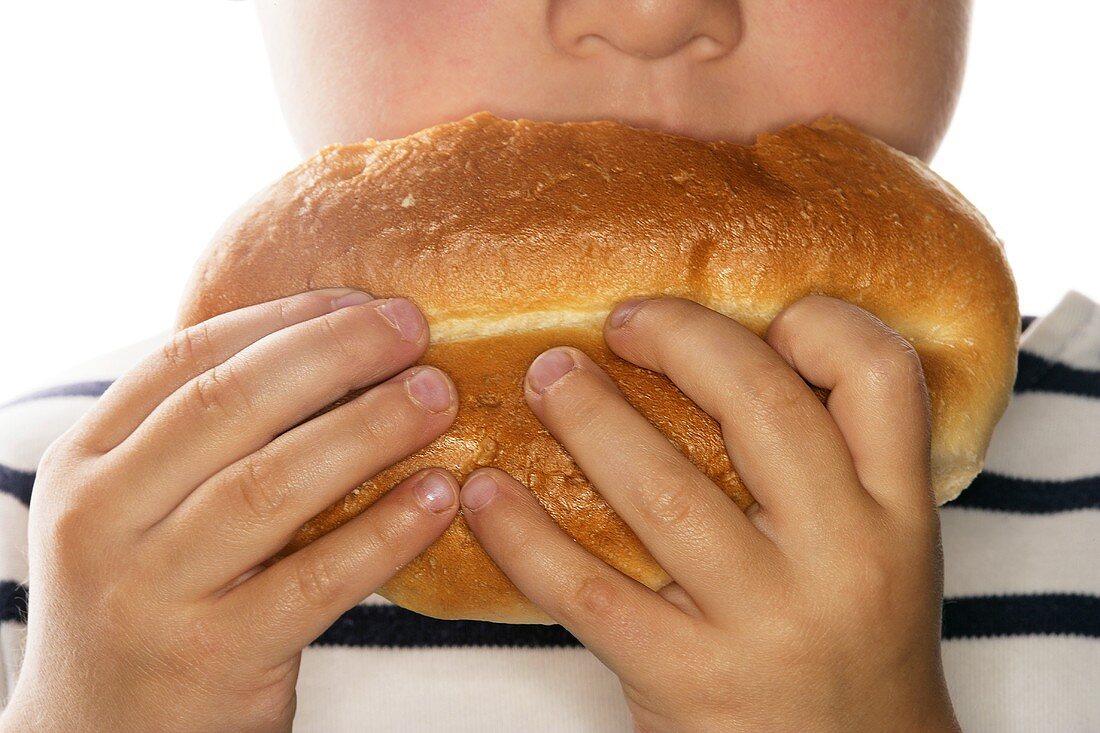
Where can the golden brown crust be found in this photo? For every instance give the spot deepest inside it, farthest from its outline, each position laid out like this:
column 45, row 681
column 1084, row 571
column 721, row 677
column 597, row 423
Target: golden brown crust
column 513, row 236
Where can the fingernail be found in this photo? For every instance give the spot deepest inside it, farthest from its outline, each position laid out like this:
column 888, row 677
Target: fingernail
column 548, row 367
column 478, row 491
column 403, row 316
column 624, row 310
column 354, row 297
column 429, row 389
column 435, row 493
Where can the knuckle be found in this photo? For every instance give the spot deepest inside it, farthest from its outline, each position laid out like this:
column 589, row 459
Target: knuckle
column 386, row 536
column 262, row 494
column 78, row 443
column 597, row 597
column 58, row 454
column 331, row 332
column 219, row 390
column 77, row 539
column 379, row 422
column 71, row 527
column 577, row 409
column 765, row 392
column 790, row 627
column 671, row 504
column 187, row 346
column 897, row 367
column 864, row 575
column 287, row 312
column 315, row 581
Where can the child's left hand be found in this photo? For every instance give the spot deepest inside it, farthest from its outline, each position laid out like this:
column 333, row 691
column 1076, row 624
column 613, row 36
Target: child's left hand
column 819, row 608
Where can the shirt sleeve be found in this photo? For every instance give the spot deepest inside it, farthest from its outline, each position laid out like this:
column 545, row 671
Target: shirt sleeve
column 1021, row 614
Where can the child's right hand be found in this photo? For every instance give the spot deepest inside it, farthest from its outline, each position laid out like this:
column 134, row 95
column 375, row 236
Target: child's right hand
column 152, row 515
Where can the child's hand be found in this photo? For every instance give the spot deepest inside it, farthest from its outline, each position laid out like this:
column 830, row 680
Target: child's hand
column 149, row 606
column 817, row 610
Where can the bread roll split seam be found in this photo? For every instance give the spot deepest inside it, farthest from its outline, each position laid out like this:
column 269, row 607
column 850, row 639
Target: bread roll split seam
column 446, row 330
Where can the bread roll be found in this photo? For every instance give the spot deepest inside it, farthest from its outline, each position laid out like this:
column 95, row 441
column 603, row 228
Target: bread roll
column 516, row 236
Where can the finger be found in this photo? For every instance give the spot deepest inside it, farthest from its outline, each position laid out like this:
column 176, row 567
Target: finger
column 240, row 405
column 621, row 621
column 248, row 512
column 289, row 604
column 780, row 438
column 188, row 353
column 690, row 526
column 878, row 400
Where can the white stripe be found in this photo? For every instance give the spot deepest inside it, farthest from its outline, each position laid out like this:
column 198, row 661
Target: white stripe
column 1069, row 334
column 28, row 428
column 13, row 639
column 459, row 690
column 1024, row 684
column 375, row 600
column 987, row 552
column 13, row 539
column 1044, row 435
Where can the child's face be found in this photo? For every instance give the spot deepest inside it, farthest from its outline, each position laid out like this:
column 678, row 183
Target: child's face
column 347, row 70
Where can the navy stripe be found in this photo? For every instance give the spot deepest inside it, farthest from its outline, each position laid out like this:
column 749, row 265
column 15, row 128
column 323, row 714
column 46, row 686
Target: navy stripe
column 1073, row 614
column 978, row 616
column 1029, row 496
column 17, row 483
column 13, row 602
column 1037, row 374
column 76, row 389
column 391, row 626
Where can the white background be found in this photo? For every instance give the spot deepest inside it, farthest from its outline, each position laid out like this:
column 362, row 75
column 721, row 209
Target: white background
column 130, row 129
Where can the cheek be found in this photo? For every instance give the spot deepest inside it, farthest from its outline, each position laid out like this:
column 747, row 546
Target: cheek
column 425, row 58
column 379, row 68
column 892, row 67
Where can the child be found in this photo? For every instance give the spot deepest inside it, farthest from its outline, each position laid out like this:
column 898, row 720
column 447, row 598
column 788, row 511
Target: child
column 157, row 488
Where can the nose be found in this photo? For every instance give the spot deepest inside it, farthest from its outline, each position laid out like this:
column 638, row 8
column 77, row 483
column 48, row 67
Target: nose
column 646, row 29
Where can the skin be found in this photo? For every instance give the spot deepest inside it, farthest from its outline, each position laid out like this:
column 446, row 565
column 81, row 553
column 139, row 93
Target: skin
column 818, row 609
column 183, row 464
column 346, row 70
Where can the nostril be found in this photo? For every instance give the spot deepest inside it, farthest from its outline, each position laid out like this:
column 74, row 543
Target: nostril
column 646, row 29
column 706, row 48
column 699, row 48
column 589, row 44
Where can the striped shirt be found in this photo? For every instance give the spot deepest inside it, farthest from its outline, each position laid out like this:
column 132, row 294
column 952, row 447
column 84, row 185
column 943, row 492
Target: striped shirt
column 1021, row 615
